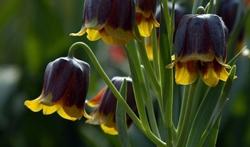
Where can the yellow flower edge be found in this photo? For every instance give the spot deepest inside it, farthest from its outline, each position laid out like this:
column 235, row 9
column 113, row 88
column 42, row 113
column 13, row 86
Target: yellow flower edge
column 70, row 113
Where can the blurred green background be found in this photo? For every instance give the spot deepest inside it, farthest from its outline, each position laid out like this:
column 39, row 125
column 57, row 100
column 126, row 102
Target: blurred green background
column 35, row 32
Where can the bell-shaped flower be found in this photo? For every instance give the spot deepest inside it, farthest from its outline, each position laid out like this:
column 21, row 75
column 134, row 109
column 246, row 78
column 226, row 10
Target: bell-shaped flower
column 200, row 44
column 111, row 20
column 65, row 87
column 104, row 104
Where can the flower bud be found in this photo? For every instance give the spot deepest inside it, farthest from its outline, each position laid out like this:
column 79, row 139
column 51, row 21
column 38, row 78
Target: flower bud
column 105, row 106
column 200, row 44
column 65, row 87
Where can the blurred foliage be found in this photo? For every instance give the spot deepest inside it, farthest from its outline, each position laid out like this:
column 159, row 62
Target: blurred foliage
column 35, row 32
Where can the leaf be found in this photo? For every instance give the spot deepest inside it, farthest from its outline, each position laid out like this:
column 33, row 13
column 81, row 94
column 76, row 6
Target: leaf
column 209, row 111
column 212, row 137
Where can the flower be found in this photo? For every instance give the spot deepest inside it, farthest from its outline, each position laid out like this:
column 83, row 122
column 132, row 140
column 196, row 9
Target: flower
column 200, row 44
column 145, row 16
column 111, row 20
column 105, row 106
column 65, row 87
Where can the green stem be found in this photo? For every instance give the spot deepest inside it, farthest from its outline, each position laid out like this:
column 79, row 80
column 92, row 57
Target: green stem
column 137, row 78
column 98, row 67
column 211, row 7
column 155, row 48
column 196, row 4
column 168, row 20
column 120, row 99
column 233, row 60
column 158, row 72
column 184, row 121
column 167, row 81
column 148, row 67
column 142, row 90
column 169, row 108
column 150, row 108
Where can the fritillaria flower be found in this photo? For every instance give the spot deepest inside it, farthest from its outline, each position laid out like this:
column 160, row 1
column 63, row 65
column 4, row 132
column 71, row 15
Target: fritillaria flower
column 145, row 16
column 111, row 20
column 65, row 87
column 200, row 44
column 105, row 103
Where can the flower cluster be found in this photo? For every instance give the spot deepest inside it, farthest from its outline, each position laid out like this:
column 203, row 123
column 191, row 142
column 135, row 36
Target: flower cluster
column 200, row 50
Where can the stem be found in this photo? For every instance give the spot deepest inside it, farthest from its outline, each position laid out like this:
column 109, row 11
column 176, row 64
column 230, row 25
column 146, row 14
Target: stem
column 105, row 78
column 169, row 107
column 157, row 65
column 211, row 7
column 167, row 17
column 155, row 48
column 233, row 60
column 150, row 108
column 148, row 67
column 166, row 46
column 120, row 99
column 184, row 123
column 137, row 78
column 196, row 4
column 142, row 90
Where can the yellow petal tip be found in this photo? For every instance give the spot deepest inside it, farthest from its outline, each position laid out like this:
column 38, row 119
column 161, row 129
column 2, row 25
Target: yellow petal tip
column 109, row 130
column 80, row 33
column 33, row 105
column 185, row 73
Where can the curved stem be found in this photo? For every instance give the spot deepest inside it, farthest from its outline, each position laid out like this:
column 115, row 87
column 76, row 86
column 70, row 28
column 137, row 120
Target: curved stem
column 121, row 100
column 105, row 78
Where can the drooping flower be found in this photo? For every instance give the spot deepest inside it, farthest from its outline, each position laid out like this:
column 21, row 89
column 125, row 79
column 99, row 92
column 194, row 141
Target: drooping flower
column 200, row 44
column 65, row 87
column 104, row 104
column 111, row 20
column 145, row 16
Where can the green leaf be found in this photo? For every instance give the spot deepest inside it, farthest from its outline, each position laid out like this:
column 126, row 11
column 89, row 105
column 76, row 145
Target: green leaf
column 212, row 137
column 209, row 111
